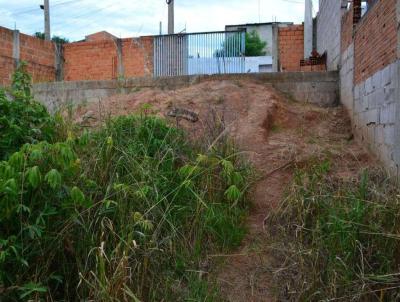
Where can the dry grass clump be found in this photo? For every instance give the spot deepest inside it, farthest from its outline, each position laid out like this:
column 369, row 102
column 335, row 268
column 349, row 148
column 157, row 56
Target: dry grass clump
column 336, row 240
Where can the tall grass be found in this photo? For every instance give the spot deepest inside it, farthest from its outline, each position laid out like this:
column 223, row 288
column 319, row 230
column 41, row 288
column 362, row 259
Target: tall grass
column 337, row 240
column 126, row 213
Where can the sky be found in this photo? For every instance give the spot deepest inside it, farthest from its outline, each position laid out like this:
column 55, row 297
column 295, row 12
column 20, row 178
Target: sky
column 74, row 19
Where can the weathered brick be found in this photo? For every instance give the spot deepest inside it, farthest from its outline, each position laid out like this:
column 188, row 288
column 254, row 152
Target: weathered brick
column 291, row 48
column 375, row 40
column 37, row 53
column 137, row 59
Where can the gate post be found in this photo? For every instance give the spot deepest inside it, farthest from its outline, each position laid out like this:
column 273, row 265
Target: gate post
column 275, row 47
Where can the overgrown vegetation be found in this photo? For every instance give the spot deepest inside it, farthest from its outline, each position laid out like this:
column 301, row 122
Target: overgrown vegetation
column 22, row 120
column 337, row 240
column 125, row 213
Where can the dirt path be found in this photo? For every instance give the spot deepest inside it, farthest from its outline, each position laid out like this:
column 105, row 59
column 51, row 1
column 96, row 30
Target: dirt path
column 276, row 134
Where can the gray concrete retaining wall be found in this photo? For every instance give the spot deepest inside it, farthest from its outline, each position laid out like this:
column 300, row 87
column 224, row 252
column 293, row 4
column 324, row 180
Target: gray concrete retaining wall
column 375, row 115
column 314, row 87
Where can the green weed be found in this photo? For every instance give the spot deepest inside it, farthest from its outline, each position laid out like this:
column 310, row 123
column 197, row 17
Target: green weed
column 22, row 120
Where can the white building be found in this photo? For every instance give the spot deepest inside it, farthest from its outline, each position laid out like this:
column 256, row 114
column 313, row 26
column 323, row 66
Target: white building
column 264, row 30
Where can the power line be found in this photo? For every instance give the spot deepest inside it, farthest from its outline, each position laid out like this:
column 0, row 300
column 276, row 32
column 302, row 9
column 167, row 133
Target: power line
column 91, row 22
column 36, row 9
column 67, row 22
column 85, row 14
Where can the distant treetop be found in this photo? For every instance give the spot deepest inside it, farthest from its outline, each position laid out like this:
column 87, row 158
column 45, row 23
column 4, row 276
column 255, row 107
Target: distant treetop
column 254, row 45
column 55, row 39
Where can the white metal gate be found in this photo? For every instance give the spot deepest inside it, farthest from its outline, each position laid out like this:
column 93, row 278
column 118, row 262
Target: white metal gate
column 199, row 53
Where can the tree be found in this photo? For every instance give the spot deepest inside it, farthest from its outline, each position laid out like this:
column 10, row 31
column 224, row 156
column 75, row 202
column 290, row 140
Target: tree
column 55, row 39
column 59, row 40
column 231, row 46
column 254, row 45
column 39, row 35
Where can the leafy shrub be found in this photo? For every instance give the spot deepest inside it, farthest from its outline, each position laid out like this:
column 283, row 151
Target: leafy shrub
column 124, row 213
column 337, row 240
column 22, row 120
column 37, row 188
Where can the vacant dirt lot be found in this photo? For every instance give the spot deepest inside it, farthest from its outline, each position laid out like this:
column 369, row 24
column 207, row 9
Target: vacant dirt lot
column 275, row 133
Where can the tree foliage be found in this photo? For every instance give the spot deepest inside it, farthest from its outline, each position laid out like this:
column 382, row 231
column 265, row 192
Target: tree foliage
column 56, row 39
column 254, row 46
column 231, row 47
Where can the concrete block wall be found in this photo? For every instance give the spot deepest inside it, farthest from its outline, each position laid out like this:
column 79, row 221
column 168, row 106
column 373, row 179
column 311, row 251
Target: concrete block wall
column 291, row 47
column 328, row 31
column 370, row 81
column 374, row 113
column 397, row 126
column 347, row 78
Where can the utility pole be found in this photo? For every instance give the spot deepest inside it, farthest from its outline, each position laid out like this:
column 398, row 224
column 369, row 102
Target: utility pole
column 171, row 29
column 46, row 9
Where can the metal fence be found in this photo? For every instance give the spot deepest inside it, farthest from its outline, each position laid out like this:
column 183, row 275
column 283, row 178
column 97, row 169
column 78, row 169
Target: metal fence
column 199, row 53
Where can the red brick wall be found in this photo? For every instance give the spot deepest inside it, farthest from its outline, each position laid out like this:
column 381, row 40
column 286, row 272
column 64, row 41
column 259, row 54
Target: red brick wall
column 291, row 47
column 347, row 29
column 37, row 53
column 98, row 60
column 137, row 56
column 90, row 61
column 6, row 61
column 40, row 56
column 375, row 41
column 6, row 70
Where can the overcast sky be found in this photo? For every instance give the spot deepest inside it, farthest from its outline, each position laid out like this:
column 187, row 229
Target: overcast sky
column 74, row 19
